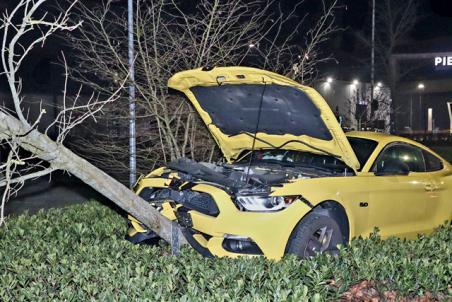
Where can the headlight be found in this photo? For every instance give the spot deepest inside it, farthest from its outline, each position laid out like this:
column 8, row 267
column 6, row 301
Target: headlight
column 255, row 203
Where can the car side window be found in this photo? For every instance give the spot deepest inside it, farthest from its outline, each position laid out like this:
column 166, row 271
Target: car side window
column 409, row 155
column 432, row 163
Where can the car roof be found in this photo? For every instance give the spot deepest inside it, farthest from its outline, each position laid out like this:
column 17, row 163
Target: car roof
column 379, row 137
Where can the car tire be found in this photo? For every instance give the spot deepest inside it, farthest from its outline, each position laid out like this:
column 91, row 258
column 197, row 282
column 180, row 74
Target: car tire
column 315, row 233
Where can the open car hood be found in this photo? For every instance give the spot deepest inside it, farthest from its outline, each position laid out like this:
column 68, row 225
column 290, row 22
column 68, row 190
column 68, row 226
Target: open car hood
column 234, row 102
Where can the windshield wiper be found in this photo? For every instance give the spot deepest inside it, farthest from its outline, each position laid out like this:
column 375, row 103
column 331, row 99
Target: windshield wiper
column 275, row 162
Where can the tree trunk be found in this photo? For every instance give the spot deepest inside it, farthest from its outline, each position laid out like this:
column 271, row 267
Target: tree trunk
column 62, row 158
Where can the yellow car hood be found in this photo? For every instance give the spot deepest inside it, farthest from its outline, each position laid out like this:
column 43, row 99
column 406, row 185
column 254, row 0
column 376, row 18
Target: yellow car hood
column 234, row 102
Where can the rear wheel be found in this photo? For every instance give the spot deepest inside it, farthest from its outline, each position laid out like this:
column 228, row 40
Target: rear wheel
column 315, row 233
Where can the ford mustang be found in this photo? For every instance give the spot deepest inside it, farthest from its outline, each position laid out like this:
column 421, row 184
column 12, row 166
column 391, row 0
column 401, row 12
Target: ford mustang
column 291, row 181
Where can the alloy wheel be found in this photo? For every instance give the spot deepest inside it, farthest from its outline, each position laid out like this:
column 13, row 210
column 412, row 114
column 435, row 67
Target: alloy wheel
column 319, row 241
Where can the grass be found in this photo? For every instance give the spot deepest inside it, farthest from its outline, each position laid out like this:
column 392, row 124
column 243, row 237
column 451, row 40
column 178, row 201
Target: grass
column 79, row 254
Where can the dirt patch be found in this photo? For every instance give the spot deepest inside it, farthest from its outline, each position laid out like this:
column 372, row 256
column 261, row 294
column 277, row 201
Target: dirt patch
column 369, row 291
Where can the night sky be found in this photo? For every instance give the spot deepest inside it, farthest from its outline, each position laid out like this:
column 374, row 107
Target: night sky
column 353, row 16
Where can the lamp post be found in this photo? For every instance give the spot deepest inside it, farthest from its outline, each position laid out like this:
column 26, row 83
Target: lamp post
column 372, row 55
column 132, row 114
column 420, row 88
column 411, row 113
column 449, row 109
column 355, row 89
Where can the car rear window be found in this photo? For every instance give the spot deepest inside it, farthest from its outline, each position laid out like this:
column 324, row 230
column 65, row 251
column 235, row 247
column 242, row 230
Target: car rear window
column 363, row 148
column 432, row 163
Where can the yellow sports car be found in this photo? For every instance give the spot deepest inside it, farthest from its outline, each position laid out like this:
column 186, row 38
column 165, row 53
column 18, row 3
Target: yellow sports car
column 291, row 180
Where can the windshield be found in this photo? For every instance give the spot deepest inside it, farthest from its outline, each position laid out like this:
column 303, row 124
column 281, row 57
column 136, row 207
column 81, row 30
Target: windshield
column 295, row 158
column 363, row 148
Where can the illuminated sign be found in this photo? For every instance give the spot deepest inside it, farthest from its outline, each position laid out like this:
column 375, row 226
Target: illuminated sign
column 443, row 62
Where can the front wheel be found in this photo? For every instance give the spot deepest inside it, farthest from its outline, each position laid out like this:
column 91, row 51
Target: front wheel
column 315, row 233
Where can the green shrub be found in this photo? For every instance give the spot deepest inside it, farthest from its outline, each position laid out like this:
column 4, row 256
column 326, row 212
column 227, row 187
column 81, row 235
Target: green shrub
column 78, row 254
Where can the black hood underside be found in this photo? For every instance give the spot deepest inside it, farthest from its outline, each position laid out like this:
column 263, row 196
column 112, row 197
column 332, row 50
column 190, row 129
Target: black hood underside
column 235, row 109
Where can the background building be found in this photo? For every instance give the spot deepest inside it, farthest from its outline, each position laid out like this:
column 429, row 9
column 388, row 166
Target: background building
column 423, row 98
column 352, row 105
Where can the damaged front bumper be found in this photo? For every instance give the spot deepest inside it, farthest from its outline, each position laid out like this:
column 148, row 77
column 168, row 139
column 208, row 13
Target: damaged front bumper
column 222, row 229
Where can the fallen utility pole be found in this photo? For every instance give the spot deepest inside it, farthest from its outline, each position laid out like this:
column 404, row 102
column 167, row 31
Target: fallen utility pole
column 18, row 130
column 60, row 157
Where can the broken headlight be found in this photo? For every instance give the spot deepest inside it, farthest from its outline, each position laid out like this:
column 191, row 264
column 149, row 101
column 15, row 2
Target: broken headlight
column 257, row 203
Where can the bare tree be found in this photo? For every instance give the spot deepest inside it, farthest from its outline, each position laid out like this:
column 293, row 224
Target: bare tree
column 364, row 112
column 394, row 20
column 18, row 167
column 169, row 38
column 304, row 61
column 31, row 152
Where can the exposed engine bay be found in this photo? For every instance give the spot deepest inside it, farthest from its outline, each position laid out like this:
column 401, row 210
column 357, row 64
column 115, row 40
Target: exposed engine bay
column 248, row 182
column 243, row 176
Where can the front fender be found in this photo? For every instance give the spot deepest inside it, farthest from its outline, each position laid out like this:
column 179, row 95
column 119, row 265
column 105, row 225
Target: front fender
column 339, row 189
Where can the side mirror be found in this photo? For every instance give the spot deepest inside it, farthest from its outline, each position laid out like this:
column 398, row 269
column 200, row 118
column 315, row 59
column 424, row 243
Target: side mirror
column 392, row 167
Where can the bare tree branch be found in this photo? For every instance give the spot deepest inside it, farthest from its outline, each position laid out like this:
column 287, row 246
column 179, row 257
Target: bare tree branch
column 170, row 39
column 32, row 153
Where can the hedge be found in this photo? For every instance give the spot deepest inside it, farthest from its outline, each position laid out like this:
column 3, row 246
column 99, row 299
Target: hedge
column 79, row 254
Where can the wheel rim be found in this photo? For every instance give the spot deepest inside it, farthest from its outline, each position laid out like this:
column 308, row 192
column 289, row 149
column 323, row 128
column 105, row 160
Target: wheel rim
column 319, row 241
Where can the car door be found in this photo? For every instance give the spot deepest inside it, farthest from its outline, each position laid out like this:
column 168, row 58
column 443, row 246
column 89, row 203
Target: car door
column 440, row 203
column 399, row 203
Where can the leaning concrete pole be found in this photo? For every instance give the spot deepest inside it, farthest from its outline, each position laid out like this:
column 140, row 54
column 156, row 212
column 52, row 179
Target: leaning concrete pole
column 60, row 157
column 15, row 127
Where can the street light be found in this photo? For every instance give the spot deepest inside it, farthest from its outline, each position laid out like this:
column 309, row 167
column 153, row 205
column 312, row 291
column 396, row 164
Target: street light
column 327, row 85
column 420, row 86
column 378, row 87
column 355, row 82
